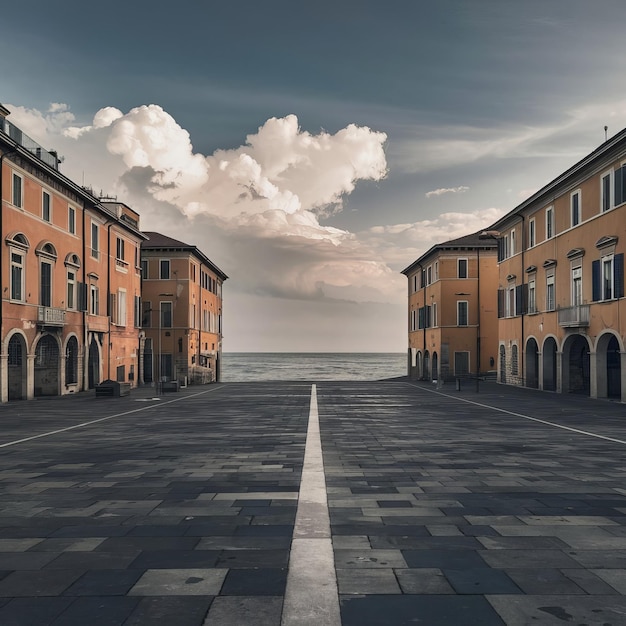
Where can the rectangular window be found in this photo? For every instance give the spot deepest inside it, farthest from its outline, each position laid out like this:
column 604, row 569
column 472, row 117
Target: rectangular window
column 164, row 273
column 532, row 296
column 462, row 268
column 429, row 274
column 137, row 312
column 95, row 242
column 512, row 251
column 550, row 295
column 71, row 290
column 94, row 300
column 45, row 295
column 46, row 206
column 531, row 233
column 619, row 178
column 17, row 276
column 166, row 314
column 71, row 220
column 121, row 307
column 119, row 250
column 436, row 271
column 509, row 303
column 607, row 278
column 506, row 249
column 606, row 202
column 575, row 207
column 461, row 313
column 413, row 322
column 146, row 313
column 549, row 222
column 144, row 268
column 434, row 314
column 18, row 188
column 577, row 286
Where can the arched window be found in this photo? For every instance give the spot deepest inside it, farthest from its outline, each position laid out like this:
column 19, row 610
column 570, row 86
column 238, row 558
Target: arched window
column 71, row 361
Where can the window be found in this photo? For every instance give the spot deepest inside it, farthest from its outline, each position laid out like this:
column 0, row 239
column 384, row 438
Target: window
column 71, row 290
column 18, row 188
column 436, row 271
column 413, row 319
column 121, row 307
column 144, row 268
column 434, row 314
column 462, row 268
column 549, row 222
column 461, row 313
column 146, row 313
column 94, row 300
column 607, row 276
column 46, row 206
column 95, row 243
column 532, row 296
column 512, row 249
column 550, row 296
column 414, row 283
column 606, row 201
column 619, row 195
column 71, row 220
column 429, row 274
column 17, row 276
column 575, row 208
column 137, row 312
column 531, row 233
column 192, row 316
column 164, row 273
column 166, row 314
column 119, row 251
column 506, row 249
column 577, row 286
column 45, row 284
column 509, row 303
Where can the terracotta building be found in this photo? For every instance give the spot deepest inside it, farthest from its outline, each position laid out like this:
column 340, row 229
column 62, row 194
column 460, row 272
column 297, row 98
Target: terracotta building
column 70, row 278
column 452, row 310
column 561, row 280
column 182, row 312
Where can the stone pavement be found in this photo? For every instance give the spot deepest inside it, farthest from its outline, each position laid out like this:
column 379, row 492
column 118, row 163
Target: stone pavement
column 506, row 506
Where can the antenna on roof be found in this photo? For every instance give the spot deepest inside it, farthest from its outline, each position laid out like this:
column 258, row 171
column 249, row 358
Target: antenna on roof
column 605, row 129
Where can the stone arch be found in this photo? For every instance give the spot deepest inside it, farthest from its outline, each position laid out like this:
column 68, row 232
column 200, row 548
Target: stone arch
column 576, row 370
column 72, row 348
column 609, row 350
column 502, row 363
column 47, row 361
column 16, row 348
column 549, row 363
column 435, row 367
column 531, row 361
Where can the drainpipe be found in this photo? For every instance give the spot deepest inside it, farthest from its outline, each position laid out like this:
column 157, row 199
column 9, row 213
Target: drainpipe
column 87, row 296
column 523, row 309
column 109, row 297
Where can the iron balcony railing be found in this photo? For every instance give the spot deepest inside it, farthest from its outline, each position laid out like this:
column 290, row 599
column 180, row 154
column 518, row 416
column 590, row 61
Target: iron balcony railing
column 576, row 316
column 50, row 158
column 50, row 316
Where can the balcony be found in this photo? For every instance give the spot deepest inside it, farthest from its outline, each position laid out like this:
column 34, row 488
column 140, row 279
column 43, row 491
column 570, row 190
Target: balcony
column 50, row 158
column 576, row 316
column 48, row 316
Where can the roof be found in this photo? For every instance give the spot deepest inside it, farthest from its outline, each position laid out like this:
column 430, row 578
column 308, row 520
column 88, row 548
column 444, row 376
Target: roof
column 158, row 241
column 606, row 151
column 472, row 242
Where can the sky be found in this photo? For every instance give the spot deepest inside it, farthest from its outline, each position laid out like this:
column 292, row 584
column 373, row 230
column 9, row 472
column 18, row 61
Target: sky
column 313, row 150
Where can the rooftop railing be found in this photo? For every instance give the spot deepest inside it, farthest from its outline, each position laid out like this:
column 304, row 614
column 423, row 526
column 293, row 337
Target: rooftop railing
column 19, row 136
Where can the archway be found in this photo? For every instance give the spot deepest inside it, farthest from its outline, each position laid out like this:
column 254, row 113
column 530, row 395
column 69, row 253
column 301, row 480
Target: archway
column 17, row 368
column 93, row 364
column 609, row 367
column 418, row 371
column 147, row 361
column 71, row 361
column 47, row 367
column 435, row 368
column 502, row 364
column 532, row 363
column 549, row 364
column 576, row 364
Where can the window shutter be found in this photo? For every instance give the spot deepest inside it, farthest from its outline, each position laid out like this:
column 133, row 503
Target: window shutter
column 519, row 300
column 428, row 317
column 595, row 281
column 500, row 249
column 420, row 315
column 500, row 303
column 618, row 275
column 82, row 297
column 619, row 185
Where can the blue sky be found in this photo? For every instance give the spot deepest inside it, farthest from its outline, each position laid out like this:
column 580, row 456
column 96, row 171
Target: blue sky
column 385, row 128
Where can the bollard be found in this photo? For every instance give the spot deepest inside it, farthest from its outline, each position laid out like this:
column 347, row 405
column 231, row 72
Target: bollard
column 458, row 384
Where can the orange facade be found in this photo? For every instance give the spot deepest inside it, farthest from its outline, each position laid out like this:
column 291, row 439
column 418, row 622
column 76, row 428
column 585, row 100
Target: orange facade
column 562, row 317
column 70, row 278
column 182, row 313
column 452, row 310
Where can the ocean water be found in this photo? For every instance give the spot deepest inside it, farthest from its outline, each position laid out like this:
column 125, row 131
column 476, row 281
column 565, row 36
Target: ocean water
column 311, row 366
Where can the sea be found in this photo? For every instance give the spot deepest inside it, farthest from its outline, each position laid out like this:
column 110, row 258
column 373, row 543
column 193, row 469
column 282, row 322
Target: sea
column 311, row 366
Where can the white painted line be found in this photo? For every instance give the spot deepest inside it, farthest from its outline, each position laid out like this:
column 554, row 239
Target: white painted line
column 311, row 596
column 104, row 419
column 526, row 417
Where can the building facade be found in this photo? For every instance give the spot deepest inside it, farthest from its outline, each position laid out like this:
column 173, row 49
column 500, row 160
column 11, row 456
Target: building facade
column 182, row 312
column 562, row 316
column 70, row 278
column 452, row 310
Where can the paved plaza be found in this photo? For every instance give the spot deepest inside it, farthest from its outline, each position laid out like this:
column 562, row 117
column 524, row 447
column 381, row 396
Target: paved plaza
column 293, row 503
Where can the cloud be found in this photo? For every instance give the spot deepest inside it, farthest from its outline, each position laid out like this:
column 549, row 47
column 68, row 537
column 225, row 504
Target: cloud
column 442, row 190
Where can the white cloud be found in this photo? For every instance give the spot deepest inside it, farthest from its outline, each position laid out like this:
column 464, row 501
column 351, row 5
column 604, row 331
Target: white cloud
column 442, row 190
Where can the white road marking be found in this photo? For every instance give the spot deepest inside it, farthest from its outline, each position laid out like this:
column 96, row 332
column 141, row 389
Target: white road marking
column 103, row 419
column 527, row 417
column 311, row 596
